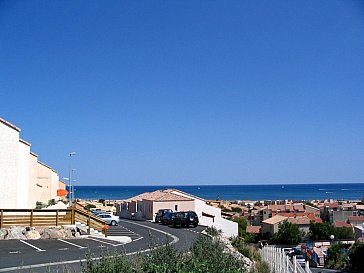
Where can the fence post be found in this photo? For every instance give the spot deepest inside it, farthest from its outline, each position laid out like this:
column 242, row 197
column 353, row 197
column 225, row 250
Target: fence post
column 88, row 224
column 1, row 218
column 72, row 216
column 294, row 264
column 56, row 217
column 31, row 218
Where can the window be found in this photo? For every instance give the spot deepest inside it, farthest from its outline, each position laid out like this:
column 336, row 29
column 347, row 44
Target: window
column 176, row 207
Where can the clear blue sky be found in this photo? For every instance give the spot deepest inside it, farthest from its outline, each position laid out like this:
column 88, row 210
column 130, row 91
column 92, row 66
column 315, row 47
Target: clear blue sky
column 188, row 92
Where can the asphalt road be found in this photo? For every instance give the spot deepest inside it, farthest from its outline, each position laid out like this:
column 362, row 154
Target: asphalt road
column 53, row 255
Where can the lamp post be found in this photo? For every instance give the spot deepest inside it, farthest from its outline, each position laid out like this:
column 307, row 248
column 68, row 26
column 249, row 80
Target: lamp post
column 73, row 184
column 332, row 237
column 70, row 178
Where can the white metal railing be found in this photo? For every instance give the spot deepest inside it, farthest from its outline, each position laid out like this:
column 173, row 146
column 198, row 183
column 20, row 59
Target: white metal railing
column 279, row 262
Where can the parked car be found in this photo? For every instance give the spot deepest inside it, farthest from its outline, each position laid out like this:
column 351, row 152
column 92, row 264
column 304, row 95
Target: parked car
column 102, row 212
column 301, row 260
column 288, row 251
column 160, row 214
column 109, row 219
column 185, row 219
column 167, row 218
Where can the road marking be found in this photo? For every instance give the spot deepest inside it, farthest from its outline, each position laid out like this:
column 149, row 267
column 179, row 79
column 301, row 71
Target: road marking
column 14, row 252
column 66, row 248
column 37, row 248
column 72, row 244
column 175, row 240
column 103, row 242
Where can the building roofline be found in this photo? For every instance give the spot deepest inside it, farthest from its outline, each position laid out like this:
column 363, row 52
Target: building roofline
column 45, row 165
column 33, row 154
column 24, row 142
column 62, row 182
column 186, row 193
column 12, row 126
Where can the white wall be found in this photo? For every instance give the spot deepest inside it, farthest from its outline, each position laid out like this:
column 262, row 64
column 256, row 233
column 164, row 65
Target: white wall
column 23, row 175
column 228, row 228
column 9, row 145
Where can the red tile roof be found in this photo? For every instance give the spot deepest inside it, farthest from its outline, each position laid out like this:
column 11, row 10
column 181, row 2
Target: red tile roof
column 331, row 205
column 356, row 218
column 340, row 224
column 253, row 229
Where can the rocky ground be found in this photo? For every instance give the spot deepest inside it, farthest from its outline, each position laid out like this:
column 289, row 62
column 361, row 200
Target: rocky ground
column 34, row 233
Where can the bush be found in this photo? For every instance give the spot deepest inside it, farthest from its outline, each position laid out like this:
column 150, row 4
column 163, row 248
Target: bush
column 242, row 224
column 288, row 233
column 89, row 206
column 356, row 258
column 336, row 257
column 205, row 255
column 212, row 231
column 40, row 205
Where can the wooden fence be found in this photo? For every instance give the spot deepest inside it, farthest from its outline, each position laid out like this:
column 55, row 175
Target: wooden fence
column 48, row 217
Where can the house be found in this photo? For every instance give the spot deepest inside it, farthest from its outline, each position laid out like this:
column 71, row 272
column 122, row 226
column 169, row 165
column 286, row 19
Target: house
column 302, row 222
column 340, row 224
column 24, row 180
column 271, row 225
column 359, row 233
column 356, row 220
column 145, row 206
column 253, row 229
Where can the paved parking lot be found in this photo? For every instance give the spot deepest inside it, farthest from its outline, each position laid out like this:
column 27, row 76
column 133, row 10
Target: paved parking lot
column 21, row 255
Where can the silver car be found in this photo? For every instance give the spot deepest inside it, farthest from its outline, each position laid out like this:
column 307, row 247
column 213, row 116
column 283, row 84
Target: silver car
column 109, row 219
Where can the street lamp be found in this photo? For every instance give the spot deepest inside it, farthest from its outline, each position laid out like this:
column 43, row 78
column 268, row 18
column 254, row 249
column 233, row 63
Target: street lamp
column 73, row 184
column 70, row 178
column 332, row 237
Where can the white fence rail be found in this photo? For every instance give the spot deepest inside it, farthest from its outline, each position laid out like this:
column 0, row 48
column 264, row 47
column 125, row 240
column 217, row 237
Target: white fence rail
column 279, row 262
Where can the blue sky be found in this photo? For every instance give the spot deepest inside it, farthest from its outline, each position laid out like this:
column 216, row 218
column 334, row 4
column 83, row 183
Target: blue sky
column 188, row 92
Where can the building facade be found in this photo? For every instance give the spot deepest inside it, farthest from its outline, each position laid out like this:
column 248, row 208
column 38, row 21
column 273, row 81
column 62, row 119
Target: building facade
column 145, row 206
column 24, row 180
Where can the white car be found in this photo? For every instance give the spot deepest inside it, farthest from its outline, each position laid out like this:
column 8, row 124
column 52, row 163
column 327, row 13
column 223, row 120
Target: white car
column 109, row 219
column 301, row 260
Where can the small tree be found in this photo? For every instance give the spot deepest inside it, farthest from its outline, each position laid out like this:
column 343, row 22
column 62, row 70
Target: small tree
column 356, row 258
column 242, row 224
column 288, row 233
column 237, row 209
column 321, row 231
column 336, row 257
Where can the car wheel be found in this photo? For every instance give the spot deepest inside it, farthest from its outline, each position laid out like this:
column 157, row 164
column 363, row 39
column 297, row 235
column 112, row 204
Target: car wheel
column 195, row 225
column 113, row 223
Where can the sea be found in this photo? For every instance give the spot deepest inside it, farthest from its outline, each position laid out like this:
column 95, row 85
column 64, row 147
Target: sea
column 346, row 191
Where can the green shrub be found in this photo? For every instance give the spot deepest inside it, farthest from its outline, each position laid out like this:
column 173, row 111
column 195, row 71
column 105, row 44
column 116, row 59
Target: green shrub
column 212, row 231
column 205, row 255
column 89, row 206
column 40, row 205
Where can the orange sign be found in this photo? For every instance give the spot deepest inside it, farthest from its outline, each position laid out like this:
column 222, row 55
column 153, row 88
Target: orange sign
column 62, row 192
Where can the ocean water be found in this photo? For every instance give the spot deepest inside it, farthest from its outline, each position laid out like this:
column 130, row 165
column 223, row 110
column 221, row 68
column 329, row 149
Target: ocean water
column 349, row 191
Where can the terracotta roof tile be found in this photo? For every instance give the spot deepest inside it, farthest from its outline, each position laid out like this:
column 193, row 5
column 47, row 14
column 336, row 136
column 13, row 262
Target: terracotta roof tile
column 253, row 229
column 340, row 224
column 356, row 218
column 275, row 219
column 159, row 196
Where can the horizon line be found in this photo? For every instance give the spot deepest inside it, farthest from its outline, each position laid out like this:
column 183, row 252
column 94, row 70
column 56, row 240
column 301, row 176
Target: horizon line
column 197, row 185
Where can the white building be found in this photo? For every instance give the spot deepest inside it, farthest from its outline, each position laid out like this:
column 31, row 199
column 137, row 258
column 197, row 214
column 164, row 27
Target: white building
column 23, row 179
column 144, row 207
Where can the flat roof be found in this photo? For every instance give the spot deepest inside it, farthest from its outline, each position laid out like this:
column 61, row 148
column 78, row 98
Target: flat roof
column 7, row 123
column 24, row 142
